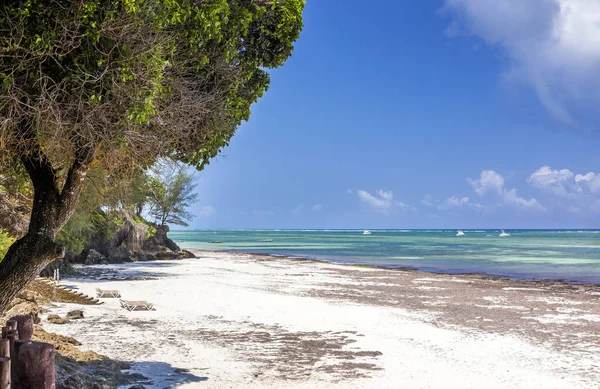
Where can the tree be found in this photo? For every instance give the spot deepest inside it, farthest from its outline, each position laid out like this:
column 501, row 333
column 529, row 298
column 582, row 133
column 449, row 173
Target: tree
column 118, row 84
column 15, row 198
column 171, row 192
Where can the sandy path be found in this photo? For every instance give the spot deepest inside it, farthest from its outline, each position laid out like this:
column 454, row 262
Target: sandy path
column 237, row 321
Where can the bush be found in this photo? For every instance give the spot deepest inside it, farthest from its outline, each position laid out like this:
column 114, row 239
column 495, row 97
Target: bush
column 5, row 242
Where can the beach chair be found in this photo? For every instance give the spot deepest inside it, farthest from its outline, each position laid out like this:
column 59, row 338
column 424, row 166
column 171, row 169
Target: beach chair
column 136, row 305
column 107, row 293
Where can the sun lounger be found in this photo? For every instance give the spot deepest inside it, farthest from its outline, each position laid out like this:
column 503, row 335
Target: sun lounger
column 136, row 305
column 107, row 293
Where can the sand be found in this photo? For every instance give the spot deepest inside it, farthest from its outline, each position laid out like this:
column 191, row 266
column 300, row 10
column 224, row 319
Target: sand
column 247, row 321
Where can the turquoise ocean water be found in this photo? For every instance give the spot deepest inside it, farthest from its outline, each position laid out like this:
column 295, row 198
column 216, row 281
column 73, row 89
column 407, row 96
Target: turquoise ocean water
column 566, row 254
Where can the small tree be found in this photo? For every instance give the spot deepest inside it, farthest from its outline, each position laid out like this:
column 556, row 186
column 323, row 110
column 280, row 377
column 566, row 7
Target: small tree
column 118, row 84
column 171, row 193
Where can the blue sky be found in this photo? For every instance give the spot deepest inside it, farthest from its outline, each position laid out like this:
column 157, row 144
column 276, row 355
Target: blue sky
column 422, row 114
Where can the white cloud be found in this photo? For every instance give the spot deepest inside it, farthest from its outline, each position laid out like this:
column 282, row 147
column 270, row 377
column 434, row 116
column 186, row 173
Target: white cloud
column 451, row 203
column 589, row 181
column 298, row 208
column 552, row 45
column 349, row 191
column 382, row 203
column 455, row 202
column 584, row 177
column 565, row 183
column 489, row 181
column 573, row 192
column 428, row 201
column 207, row 211
column 510, row 197
column 385, row 195
column 559, row 182
column 317, row 208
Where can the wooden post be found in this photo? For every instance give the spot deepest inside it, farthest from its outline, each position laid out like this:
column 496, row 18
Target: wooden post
column 24, row 326
column 12, row 325
column 12, row 338
column 36, row 366
column 4, row 373
column 4, row 332
column 5, row 364
column 16, row 379
column 4, row 348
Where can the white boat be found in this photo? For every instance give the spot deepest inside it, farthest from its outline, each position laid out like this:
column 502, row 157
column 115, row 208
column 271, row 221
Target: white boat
column 366, row 232
column 460, row 233
column 502, row 233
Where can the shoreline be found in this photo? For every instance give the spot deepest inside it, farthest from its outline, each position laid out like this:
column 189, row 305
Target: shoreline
column 477, row 275
column 242, row 320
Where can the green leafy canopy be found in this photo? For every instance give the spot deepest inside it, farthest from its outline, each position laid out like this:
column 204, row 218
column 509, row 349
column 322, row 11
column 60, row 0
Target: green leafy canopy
column 137, row 79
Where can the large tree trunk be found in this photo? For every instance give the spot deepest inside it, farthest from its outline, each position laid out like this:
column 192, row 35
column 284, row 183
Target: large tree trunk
column 24, row 261
column 52, row 208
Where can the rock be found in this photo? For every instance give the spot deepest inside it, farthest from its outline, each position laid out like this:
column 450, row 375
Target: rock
column 132, row 232
column 55, row 319
column 63, row 264
column 29, row 295
column 93, row 374
column 119, row 365
column 93, row 257
column 184, row 254
column 79, row 380
column 160, row 239
column 137, row 386
column 119, row 254
column 73, row 381
column 24, row 308
column 65, row 345
column 76, row 314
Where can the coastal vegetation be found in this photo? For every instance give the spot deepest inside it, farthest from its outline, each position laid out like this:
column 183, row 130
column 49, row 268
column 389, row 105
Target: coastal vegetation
column 170, row 192
column 94, row 92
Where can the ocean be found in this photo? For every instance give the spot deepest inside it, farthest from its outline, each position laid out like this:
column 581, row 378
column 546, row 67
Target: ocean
column 572, row 255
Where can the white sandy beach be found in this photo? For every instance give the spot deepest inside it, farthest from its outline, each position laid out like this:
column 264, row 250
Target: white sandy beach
column 242, row 321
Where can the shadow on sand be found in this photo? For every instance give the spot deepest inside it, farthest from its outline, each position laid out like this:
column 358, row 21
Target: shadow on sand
column 82, row 375
column 135, row 271
column 164, row 375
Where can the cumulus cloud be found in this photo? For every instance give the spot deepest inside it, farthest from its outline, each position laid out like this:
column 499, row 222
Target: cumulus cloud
column 553, row 46
column 574, row 192
column 558, row 182
column 591, row 180
column 383, row 202
column 455, row 202
column 565, row 183
column 510, row 197
column 207, row 211
column 491, row 182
